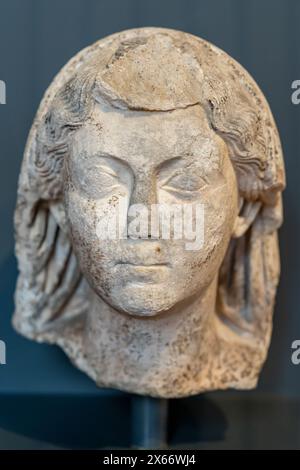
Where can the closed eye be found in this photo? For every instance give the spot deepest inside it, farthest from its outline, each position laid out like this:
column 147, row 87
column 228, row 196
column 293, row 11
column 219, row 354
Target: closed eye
column 98, row 179
column 99, row 175
column 107, row 170
column 184, row 183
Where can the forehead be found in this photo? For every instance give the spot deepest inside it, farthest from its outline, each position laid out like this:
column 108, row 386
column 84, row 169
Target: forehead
column 137, row 136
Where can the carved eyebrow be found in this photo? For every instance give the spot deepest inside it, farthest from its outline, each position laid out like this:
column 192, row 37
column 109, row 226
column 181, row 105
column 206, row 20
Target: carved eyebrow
column 108, row 170
column 168, row 162
column 171, row 162
column 178, row 159
column 121, row 161
column 176, row 170
column 114, row 158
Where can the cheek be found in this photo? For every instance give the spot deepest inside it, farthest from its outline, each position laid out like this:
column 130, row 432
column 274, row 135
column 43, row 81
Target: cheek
column 220, row 209
column 94, row 255
column 81, row 220
column 220, row 213
column 83, row 216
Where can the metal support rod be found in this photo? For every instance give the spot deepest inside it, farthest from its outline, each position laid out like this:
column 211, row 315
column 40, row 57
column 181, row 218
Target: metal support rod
column 149, row 422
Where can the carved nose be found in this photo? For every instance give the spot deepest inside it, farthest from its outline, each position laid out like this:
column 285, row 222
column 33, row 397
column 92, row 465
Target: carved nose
column 144, row 190
column 143, row 195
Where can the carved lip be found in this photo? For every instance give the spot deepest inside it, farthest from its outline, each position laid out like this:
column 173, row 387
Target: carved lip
column 143, row 265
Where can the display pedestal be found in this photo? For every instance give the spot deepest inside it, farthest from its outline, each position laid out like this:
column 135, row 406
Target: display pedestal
column 149, row 422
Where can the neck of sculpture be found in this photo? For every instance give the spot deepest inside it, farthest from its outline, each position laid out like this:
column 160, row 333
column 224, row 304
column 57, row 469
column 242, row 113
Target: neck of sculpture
column 154, row 355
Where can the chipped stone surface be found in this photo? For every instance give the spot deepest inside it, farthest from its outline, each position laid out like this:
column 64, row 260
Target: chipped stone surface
column 151, row 115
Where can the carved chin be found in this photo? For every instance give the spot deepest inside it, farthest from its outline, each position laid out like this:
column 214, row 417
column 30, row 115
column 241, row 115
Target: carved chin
column 142, row 300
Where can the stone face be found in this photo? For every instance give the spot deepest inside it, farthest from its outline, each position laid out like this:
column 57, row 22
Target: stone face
column 158, row 118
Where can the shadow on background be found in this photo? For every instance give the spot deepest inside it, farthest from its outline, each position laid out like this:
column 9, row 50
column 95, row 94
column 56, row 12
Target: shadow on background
column 104, row 421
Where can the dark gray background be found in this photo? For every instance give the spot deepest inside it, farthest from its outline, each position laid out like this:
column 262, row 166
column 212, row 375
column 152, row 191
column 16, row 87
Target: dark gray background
column 37, row 37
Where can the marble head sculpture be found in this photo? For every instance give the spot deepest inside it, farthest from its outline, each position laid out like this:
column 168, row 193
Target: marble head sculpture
column 152, row 116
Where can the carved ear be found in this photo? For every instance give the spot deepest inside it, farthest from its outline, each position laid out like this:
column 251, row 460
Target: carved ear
column 247, row 214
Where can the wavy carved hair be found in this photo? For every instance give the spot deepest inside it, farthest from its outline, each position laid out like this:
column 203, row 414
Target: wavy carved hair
column 51, row 289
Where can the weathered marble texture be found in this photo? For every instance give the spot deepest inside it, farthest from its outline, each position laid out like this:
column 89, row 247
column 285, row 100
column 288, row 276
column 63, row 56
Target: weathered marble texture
column 123, row 118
